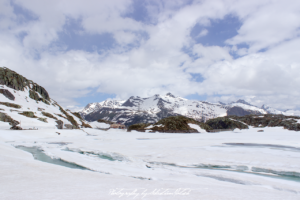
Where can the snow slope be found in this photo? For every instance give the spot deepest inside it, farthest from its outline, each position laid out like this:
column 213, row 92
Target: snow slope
column 22, row 98
column 206, row 165
column 37, row 107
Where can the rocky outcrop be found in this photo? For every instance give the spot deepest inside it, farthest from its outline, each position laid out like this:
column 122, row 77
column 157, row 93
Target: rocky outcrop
column 16, row 128
column 77, row 114
column 34, row 95
column 70, row 126
column 225, row 123
column 69, row 118
column 49, row 115
column 13, row 105
column 7, row 94
column 43, row 119
column 18, row 82
column 13, row 80
column 270, row 120
column 173, row 124
column 60, row 124
column 6, row 118
column 28, row 114
column 85, row 125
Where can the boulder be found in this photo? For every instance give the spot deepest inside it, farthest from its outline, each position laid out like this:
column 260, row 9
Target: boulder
column 60, row 124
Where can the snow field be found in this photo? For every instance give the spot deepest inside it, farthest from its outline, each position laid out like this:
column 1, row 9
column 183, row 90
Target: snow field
column 130, row 160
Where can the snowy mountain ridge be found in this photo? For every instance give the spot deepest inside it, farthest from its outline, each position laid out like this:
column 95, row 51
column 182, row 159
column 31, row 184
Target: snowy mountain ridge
column 151, row 109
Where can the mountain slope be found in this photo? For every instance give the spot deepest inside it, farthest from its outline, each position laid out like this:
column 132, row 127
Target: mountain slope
column 27, row 105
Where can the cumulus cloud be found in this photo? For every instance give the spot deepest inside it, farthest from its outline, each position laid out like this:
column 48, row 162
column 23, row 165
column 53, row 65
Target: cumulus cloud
column 260, row 63
column 266, row 23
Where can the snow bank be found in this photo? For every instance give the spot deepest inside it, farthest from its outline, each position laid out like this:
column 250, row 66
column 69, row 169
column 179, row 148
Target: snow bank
column 198, row 128
column 96, row 124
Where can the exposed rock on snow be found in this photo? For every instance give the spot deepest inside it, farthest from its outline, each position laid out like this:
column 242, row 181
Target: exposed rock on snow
column 225, row 123
column 270, row 120
column 174, row 124
column 7, row 94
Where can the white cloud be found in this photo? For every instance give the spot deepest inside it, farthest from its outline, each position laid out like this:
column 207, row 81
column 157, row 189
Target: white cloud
column 270, row 75
column 159, row 64
column 123, row 37
column 266, row 23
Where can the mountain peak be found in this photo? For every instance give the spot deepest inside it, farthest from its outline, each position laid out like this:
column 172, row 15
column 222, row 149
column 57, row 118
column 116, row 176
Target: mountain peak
column 265, row 106
column 169, row 94
column 243, row 102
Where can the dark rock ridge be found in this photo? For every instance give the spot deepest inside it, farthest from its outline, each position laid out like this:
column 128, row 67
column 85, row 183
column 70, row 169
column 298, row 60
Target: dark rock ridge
column 225, row 123
column 179, row 124
column 16, row 81
column 173, row 124
column 270, row 120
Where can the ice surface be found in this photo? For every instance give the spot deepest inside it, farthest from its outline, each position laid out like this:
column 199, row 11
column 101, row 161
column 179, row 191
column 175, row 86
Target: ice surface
column 126, row 161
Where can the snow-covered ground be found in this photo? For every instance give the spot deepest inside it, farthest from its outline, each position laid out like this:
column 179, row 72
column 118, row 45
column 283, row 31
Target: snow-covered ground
column 241, row 164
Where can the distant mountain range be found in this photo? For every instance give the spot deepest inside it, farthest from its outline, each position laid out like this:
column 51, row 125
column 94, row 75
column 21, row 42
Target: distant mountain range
column 152, row 109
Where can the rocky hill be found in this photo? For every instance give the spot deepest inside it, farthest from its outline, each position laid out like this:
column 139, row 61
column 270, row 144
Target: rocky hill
column 151, row 109
column 173, row 124
column 26, row 105
column 181, row 124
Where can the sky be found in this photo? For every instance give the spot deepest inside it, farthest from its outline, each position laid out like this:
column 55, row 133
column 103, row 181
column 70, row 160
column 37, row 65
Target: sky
column 209, row 50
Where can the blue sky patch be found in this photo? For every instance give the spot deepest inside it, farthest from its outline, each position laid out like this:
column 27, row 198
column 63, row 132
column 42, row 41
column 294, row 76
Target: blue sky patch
column 74, row 38
column 93, row 96
column 23, row 15
column 138, row 11
column 197, row 77
column 196, row 97
column 218, row 31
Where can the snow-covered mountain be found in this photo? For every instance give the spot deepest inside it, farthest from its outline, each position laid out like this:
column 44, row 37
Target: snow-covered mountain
column 27, row 105
column 151, row 109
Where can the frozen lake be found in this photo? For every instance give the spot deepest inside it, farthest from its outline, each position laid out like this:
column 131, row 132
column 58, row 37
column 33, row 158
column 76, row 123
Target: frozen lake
column 114, row 164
